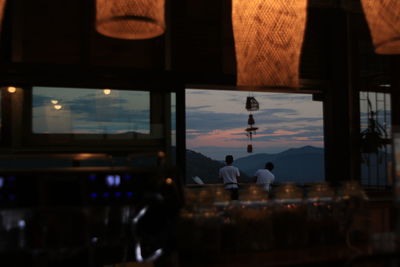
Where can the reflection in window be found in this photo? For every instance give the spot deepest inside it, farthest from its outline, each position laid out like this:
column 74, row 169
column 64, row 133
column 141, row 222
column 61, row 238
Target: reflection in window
column 90, row 111
column 375, row 126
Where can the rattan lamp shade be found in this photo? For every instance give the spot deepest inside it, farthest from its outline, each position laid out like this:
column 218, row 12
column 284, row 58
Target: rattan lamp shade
column 268, row 39
column 383, row 17
column 130, row 19
column 2, row 6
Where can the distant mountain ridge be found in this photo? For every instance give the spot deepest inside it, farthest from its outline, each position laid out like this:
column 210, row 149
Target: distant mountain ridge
column 300, row 165
column 206, row 168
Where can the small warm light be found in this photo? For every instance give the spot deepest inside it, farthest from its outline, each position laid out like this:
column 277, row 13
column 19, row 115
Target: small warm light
column 127, row 19
column 161, row 154
column 83, row 156
column 53, row 101
column 11, row 89
column 107, row 91
column 268, row 38
column 384, row 23
column 288, row 191
column 169, row 181
column 57, row 107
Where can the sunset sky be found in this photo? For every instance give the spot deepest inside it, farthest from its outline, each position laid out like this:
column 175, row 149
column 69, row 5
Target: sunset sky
column 215, row 122
column 215, row 119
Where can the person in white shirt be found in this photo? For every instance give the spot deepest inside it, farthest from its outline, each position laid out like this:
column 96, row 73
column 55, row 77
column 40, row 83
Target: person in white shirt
column 265, row 177
column 230, row 175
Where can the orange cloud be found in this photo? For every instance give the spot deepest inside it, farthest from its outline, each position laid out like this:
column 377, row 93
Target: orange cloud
column 306, row 138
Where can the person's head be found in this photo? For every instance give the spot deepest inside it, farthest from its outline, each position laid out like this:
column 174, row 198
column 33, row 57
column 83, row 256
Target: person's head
column 229, row 159
column 269, row 166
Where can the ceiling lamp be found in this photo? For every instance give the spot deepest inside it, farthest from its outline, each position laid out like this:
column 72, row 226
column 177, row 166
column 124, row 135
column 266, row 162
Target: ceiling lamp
column 2, row 5
column 11, row 89
column 268, row 39
column 130, row 19
column 384, row 23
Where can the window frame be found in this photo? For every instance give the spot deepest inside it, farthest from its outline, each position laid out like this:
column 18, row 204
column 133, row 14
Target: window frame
column 17, row 135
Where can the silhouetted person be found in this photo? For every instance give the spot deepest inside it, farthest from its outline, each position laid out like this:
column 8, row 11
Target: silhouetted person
column 230, row 175
column 264, row 176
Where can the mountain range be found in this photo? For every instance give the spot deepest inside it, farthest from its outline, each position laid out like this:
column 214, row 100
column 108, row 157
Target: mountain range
column 299, row 165
column 206, row 168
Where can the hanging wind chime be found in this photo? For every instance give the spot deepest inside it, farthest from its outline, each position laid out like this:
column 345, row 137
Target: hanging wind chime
column 251, row 105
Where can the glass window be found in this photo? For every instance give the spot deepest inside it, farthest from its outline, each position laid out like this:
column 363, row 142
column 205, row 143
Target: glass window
column 376, row 148
column 288, row 131
column 90, row 111
column 173, row 119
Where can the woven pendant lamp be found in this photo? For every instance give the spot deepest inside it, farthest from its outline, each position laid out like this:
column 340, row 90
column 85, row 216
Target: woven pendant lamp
column 2, row 6
column 268, row 39
column 383, row 17
column 130, row 19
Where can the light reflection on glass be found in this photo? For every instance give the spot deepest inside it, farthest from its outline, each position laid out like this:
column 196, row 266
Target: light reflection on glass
column 57, row 107
column 110, row 180
column 21, row 224
column 90, row 111
column 117, row 180
column 113, row 180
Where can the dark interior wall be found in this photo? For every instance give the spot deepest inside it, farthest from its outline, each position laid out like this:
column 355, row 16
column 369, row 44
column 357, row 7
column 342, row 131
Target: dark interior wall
column 317, row 45
column 62, row 32
column 196, row 35
column 49, row 31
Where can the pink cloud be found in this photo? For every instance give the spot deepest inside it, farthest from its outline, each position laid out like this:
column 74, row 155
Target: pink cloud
column 234, row 138
column 193, row 132
column 218, row 138
column 302, row 138
column 284, row 132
